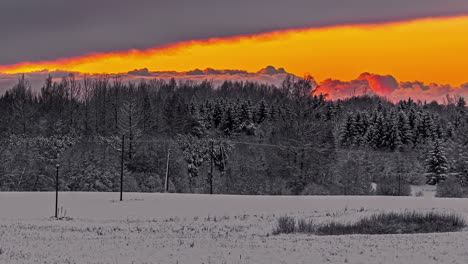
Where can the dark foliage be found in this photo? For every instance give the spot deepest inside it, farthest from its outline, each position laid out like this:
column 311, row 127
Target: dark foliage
column 267, row 139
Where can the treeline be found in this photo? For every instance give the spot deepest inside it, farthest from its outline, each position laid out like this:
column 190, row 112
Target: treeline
column 399, row 128
column 238, row 138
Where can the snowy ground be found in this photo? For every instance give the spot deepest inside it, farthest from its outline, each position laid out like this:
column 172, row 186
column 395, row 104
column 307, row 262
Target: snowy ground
column 182, row 228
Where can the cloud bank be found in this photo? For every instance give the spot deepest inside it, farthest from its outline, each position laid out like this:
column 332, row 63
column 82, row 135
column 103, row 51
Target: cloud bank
column 269, row 75
column 387, row 86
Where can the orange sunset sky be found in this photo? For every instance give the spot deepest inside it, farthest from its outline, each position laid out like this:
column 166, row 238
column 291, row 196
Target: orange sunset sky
column 429, row 50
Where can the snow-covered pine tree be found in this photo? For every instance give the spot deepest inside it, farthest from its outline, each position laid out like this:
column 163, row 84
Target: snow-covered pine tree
column 217, row 113
column 348, row 131
column 228, row 122
column 361, row 125
column 262, row 112
column 330, row 112
column 380, row 130
column 438, row 130
column 393, row 139
column 275, row 112
column 414, row 119
column 404, row 128
column 193, row 106
column 436, row 165
column 370, row 136
column 245, row 116
column 245, row 112
column 426, row 128
column 450, row 132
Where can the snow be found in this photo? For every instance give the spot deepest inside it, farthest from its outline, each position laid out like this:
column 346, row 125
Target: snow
column 188, row 228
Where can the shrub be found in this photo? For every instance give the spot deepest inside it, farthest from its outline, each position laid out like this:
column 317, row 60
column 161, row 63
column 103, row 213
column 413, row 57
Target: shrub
column 415, row 178
column 392, row 187
column 286, row 225
column 450, row 188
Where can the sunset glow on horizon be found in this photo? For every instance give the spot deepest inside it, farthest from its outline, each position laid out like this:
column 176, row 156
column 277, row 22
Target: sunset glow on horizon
column 429, row 50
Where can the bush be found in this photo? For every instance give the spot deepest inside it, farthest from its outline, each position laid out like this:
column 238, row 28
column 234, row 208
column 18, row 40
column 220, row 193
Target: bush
column 407, row 222
column 415, row 178
column 450, row 188
column 286, row 225
column 391, row 187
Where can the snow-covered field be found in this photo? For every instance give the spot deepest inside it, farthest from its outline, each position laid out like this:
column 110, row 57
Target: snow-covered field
column 184, row 228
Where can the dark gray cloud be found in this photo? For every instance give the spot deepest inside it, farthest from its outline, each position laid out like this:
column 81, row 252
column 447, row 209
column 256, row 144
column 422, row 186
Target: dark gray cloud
column 34, row 30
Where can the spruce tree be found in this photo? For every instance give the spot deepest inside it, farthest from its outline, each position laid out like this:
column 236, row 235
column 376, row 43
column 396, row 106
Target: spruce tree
column 380, row 130
column 348, row 131
column 228, row 123
column 361, row 124
column 262, row 112
column 217, row 114
column 426, row 128
column 436, row 165
column 245, row 113
column 393, row 138
column 404, row 128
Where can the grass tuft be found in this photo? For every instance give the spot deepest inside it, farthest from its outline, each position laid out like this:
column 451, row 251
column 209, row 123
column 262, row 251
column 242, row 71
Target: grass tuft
column 286, row 225
column 304, row 226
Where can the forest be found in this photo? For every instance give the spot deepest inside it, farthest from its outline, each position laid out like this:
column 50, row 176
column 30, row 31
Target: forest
column 236, row 138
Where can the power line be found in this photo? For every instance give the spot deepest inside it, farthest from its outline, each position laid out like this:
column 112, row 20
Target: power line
column 280, row 146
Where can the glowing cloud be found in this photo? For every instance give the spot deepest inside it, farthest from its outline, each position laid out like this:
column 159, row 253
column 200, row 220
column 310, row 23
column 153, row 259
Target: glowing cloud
column 429, row 50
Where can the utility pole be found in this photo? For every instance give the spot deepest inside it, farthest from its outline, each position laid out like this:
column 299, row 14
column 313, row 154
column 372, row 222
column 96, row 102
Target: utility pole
column 399, row 184
column 221, row 149
column 400, row 165
column 122, row 167
column 166, row 183
column 211, row 169
column 302, row 163
column 57, row 166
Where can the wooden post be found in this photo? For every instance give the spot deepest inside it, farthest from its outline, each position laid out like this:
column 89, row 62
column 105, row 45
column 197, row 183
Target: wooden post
column 166, row 183
column 122, row 167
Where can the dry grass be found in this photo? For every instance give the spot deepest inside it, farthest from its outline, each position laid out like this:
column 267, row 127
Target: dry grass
column 407, row 222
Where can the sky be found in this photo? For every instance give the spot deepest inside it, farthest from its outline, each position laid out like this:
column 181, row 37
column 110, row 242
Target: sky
column 411, row 40
column 51, row 29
